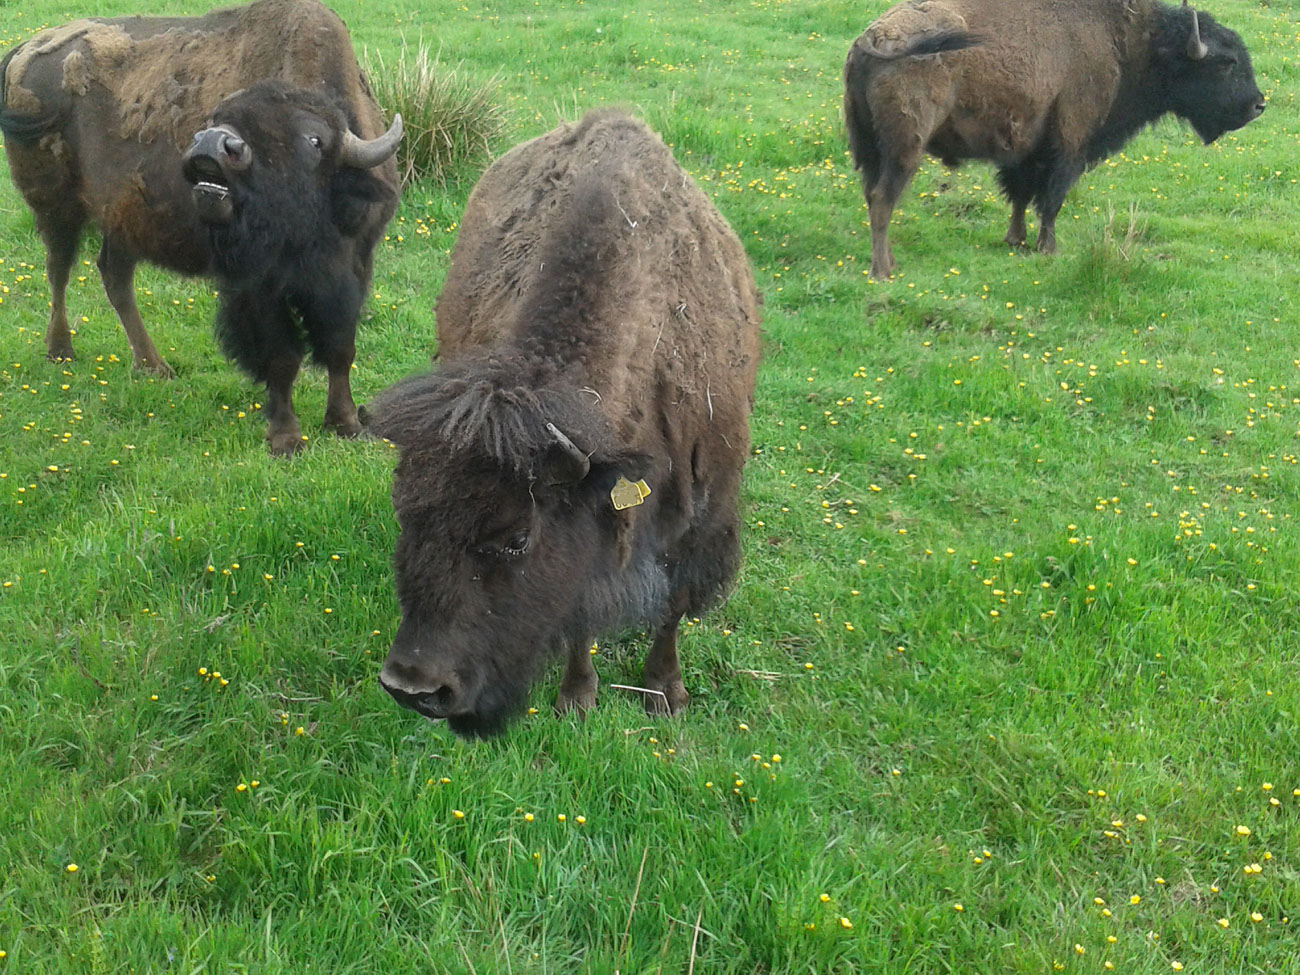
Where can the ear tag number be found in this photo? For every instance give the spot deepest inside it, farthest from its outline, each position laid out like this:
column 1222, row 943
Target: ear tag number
column 626, row 494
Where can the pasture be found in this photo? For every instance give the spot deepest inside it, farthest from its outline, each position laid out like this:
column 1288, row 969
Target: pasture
column 1010, row 681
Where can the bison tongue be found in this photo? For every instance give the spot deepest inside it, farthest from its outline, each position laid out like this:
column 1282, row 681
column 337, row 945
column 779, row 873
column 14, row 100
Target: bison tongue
column 212, row 200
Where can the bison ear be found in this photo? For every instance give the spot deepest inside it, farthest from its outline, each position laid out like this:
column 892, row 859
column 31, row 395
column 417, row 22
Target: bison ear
column 352, row 192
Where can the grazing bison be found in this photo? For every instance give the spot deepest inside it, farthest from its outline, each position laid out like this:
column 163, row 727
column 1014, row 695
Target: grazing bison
column 574, row 463
column 1042, row 88
column 281, row 197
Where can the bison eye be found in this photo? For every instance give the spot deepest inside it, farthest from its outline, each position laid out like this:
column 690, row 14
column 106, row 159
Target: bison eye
column 516, row 545
column 315, row 140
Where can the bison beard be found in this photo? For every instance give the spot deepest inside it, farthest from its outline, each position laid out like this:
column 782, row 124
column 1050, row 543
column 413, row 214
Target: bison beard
column 599, row 325
column 1042, row 88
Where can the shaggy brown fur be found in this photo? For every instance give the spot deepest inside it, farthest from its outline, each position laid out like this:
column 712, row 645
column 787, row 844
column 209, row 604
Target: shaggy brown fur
column 1041, row 88
column 594, row 288
column 97, row 113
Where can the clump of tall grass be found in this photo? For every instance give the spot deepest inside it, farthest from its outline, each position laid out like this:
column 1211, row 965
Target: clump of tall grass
column 451, row 119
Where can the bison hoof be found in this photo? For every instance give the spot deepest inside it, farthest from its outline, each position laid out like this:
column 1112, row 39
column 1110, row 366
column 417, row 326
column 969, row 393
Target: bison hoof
column 60, row 353
column 285, row 444
column 1014, row 241
column 882, row 272
column 579, row 700
column 156, row 367
column 671, row 699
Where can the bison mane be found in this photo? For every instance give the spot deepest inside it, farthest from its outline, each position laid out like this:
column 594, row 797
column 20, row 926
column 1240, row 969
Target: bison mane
column 496, row 407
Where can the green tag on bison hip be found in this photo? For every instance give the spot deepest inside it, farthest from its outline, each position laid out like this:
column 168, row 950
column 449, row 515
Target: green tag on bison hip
column 625, row 494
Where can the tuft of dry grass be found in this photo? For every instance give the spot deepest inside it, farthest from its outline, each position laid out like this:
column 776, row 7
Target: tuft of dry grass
column 451, row 119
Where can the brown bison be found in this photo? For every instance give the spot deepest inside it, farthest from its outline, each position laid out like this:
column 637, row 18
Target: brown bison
column 1042, row 88
column 282, row 196
column 573, row 465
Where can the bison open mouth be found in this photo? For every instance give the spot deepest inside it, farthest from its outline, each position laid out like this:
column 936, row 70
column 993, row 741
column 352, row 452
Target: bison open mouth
column 211, row 192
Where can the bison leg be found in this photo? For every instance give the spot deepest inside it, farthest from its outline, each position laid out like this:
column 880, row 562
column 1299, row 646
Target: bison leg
column 1018, row 183
column 329, row 315
column 578, row 688
column 283, row 434
column 1063, row 176
column 895, row 174
column 662, row 671
column 61, row 232
column 117, row 271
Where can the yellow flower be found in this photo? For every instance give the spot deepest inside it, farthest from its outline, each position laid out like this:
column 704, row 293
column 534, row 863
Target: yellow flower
column 1256, row 917
column 846, row 923
column 457, row 814
column 1223, row 922
column 528, row 817
column 71, row 868
column 1135, row 899
column 1243, row 830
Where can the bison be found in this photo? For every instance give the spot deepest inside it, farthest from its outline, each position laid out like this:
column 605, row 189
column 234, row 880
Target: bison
column 1041, row 88
column 573, row 464
column 281, row 196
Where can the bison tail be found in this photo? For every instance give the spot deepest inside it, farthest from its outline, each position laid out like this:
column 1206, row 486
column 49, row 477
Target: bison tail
column 857, row 116
column 16, row 126
column 940, row 42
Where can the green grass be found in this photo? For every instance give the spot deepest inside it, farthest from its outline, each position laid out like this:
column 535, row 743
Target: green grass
column 1017, row 611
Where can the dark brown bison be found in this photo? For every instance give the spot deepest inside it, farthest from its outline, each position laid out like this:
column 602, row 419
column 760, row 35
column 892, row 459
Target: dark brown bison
column 282, row 196
column 573, row 464
column 1042, row 88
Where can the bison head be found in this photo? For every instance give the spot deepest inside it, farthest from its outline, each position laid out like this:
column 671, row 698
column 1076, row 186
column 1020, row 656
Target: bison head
column 1211, row 81
column 279, row 167
column 510, row 548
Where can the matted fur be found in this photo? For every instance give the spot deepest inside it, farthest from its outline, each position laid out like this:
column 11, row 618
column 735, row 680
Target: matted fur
column 594, row 288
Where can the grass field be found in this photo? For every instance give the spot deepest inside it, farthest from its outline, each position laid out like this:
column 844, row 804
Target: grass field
column 1009, row 682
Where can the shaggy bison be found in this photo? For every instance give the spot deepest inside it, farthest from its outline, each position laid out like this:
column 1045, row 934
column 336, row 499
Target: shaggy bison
column 1042, row 88
column 281, row 197
column 573, row 464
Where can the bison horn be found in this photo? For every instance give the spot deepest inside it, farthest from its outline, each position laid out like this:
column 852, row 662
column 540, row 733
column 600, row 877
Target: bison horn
column 1196, row 49
column 368, row 153
column 576, row 462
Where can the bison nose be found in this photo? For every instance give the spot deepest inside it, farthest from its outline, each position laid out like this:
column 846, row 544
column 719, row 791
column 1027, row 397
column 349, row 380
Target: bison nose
column 238, row 155
column 438, row 697
column 222, row 146
column 1259, row 108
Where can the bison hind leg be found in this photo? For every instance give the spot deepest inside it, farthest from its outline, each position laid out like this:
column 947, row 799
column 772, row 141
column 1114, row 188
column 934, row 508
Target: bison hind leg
column 1019, row 183
column 117, row 271
column 61, row 231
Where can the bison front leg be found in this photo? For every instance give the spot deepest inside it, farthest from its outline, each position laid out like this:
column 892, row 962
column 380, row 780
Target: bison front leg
column 329, row 315
column 283, row 435
column 1062, row 177
column 663, row 673
column 117, row 271
column 578, row 687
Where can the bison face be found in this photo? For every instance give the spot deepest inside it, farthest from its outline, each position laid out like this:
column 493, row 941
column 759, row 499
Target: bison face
column 1212, row 82
column 509, row 550
column 279, row 164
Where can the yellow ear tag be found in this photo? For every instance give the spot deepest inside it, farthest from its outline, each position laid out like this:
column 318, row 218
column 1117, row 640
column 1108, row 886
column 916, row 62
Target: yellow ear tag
column 625, row 494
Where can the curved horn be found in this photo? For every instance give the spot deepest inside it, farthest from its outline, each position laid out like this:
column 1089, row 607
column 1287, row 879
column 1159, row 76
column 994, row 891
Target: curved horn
column 1196, row 49
column 577, row 461
column 367, row 153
